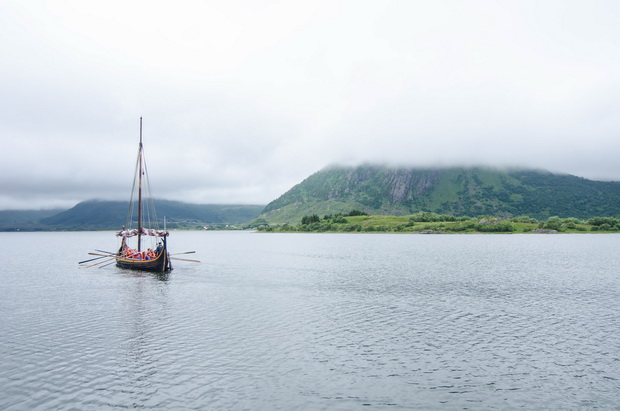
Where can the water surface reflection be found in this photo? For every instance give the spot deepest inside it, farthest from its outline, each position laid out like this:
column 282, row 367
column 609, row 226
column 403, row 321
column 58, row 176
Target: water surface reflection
column 316, row 322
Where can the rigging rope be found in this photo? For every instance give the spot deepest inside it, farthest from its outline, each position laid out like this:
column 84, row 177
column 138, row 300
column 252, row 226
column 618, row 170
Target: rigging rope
column 149, row 215
column 128, row 222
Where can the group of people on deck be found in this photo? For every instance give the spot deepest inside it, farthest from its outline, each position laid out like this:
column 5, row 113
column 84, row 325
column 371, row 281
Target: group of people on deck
column 149, row 254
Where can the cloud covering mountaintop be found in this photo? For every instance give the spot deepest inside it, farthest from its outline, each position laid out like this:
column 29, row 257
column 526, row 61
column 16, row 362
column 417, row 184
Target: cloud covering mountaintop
column 242, row 100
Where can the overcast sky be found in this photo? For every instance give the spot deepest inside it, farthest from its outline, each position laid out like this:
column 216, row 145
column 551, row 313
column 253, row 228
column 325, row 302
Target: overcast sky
column 241, row 100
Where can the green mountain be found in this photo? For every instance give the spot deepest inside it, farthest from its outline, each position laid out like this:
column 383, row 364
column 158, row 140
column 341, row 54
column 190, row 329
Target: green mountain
column 112, row 215
column 24, row 219
column 457, row 191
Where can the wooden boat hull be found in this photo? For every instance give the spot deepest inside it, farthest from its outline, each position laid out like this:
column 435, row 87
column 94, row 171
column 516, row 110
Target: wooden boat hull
column 159, row 264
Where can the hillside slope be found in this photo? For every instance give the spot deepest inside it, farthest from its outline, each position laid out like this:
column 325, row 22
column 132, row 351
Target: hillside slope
column 111, row 215
column 11, row 220
column 456, row 191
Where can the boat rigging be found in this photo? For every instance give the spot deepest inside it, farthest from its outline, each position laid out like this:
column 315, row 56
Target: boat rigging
column 150, row 254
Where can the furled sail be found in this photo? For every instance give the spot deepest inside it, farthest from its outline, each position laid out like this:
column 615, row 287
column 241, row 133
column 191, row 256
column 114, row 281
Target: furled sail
column 145, row 231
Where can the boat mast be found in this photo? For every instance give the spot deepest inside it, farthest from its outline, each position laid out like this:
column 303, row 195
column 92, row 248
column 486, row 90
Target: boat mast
column 140, row 188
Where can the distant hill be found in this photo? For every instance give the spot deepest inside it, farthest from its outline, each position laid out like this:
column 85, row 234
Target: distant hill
column 457, row 191
column 111, row 215
column 14, row 219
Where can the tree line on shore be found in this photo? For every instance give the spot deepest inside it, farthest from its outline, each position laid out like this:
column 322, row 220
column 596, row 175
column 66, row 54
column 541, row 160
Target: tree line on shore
column 429, row 222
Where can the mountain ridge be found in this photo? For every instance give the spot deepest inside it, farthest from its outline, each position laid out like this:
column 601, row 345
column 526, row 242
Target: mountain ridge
column 98, row 214
column 459, row 191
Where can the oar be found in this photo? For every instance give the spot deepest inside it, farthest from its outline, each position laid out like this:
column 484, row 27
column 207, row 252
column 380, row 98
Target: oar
column 187, row 252
column 185, row 259
column 92, row 259
column 107, row 264
column 104, row 255
column 103, row 251
column 100, row 262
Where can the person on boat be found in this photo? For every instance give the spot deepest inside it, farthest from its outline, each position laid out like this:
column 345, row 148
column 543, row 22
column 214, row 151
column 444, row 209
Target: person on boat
column 158, row 250
column 131, row 253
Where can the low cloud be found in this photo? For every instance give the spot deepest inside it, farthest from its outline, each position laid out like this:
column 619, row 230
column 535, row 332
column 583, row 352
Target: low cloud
column 241, row 102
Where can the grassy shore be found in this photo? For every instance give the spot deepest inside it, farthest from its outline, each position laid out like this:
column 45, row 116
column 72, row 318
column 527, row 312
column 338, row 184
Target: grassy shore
column 430, row 223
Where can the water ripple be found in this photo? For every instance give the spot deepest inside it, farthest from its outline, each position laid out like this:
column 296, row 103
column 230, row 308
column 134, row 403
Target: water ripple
column 330, row 322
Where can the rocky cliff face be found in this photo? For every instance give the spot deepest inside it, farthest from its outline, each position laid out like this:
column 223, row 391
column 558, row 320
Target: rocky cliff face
column 405, row 185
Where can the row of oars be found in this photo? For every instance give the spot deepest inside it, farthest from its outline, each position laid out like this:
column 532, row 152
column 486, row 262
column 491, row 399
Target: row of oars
column 184, row 259
column 113, row 256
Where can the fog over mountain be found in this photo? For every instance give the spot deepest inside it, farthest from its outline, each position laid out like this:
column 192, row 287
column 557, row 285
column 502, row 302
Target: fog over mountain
column 242, row 100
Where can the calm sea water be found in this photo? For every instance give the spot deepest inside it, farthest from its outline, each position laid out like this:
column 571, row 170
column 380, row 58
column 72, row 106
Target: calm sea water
column 314, row 321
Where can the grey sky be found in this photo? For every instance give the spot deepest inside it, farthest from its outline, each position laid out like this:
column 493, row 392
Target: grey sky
column 244, row 99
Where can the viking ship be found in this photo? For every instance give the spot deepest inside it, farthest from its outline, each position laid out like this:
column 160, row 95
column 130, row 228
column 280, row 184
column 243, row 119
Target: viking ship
column 150, row 252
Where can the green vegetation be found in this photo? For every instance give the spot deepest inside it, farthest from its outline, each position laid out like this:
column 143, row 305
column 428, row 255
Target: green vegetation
column 604, row 224
column 13, row 220
column 111, row 215
column 379, row 190
column 429, row 223
column 310, row 219
column 373, row 198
